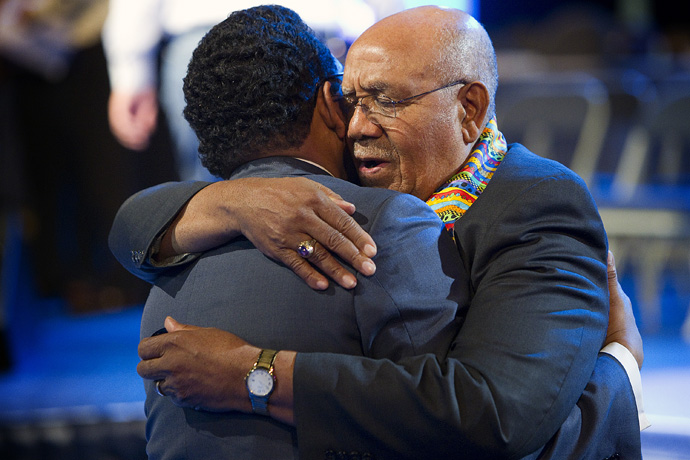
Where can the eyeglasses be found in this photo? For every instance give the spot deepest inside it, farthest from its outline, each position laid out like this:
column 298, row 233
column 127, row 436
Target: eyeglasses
column 332, row 76
column 385, row 106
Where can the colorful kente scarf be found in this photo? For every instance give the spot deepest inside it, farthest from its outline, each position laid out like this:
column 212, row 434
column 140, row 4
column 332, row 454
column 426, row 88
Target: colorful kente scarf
column 456, row 196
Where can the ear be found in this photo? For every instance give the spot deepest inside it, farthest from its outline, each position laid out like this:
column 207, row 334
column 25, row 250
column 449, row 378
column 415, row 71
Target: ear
column 474, row 98
column 330, row 112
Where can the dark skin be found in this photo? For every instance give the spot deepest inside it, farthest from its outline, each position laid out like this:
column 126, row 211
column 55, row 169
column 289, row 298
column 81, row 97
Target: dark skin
column 213, row 214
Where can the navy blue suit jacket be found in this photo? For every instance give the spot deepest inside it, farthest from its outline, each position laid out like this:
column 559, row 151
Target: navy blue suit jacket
column 533, row 250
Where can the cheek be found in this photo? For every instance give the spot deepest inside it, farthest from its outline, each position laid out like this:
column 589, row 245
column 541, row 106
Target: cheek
column 435, row 158
column 427, row 152
column 409, row 147
column 415, row 162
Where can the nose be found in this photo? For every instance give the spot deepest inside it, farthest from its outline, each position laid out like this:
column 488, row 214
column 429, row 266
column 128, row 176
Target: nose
column 361, row 125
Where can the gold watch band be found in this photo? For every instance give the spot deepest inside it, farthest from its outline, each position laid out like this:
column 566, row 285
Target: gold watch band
column 266, row 359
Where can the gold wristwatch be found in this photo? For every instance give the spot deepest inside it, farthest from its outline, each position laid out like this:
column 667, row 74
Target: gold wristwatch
column 260, row 381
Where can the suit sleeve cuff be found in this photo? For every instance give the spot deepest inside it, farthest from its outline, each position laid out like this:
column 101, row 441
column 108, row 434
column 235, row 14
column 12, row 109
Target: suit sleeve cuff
column 627, row 360
column 173, row 261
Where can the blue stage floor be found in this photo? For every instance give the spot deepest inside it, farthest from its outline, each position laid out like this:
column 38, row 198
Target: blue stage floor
column 77, row 368
column 666, row 388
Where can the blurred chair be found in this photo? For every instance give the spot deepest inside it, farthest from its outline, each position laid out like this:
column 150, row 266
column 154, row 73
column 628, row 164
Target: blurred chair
column 628, row 138
column 631, row 94
column 560, row 115
column 657, row 151
column 646, row 207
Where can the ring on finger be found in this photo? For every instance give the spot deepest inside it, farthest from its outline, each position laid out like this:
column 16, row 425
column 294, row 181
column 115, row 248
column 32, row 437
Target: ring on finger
column 306, row 248
column 158, row 388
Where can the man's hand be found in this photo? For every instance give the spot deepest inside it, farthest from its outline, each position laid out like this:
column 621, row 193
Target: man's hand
column 204, row 368
column 622, row 326
column 199, row 367
column 133, row 117
column 276, row 215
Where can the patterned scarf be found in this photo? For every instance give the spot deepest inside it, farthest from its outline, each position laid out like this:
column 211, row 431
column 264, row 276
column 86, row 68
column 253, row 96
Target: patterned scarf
column 456, row 196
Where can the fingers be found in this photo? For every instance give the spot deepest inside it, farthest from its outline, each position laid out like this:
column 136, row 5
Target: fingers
column 309, row 273
column 344, row 205
column 152, row 347
column 194, row 366
column 321, row 259
column 342, row 229
column 151, row 350
column 172, row 325
column 333, row 269
column 622, row 326
column 320, row 265
column 611, row 269
column 339, row 233
column 616, row 292
column 133, row 117
column 301, row 210
column 344, row 235
column 614, row 287
column 337, row 199
column 150, row 369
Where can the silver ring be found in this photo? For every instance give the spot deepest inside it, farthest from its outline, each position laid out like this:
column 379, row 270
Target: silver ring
column 306, row 248
column 158, row 388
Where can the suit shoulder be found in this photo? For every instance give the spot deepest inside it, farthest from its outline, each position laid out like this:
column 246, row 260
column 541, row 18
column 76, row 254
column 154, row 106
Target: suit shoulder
column 521, row 164
column 526, row 182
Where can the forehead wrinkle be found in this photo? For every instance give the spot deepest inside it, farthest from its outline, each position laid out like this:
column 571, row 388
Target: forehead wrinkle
column 380, row 79
column 366, row 77
column 400, row 72
column 374, row 87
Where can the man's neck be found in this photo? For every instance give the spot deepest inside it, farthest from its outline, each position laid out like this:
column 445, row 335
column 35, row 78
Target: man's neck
column 326, row 155
column 315, row 164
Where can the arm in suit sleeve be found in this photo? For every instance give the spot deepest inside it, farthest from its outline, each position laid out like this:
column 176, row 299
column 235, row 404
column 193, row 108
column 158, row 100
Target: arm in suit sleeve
column 527, row 348
column 604, row 422
column 412, row 304
column 142, row 218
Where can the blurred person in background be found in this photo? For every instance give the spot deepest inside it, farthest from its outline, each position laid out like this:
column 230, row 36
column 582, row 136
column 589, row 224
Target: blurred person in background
column 66, row 175
column 136, row 29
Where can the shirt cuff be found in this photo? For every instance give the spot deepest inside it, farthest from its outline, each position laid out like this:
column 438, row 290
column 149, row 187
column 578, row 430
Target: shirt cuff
column 170, row 261
column 132, row 74
column 627, row 360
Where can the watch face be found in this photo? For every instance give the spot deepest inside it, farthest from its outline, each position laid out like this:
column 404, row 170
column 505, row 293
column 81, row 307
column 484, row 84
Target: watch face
column 260, row 382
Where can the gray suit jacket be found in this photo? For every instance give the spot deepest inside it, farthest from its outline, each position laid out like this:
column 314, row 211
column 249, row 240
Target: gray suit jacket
column 409, row 307
column 533, row 252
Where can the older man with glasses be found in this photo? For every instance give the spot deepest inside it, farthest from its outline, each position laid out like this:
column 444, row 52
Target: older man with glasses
column 522, row 378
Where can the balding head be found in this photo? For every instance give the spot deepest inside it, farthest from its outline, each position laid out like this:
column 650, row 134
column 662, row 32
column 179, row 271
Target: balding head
column 436, row 68
column 442, row 44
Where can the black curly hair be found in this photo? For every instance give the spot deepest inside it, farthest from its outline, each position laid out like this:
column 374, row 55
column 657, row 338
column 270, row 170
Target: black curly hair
column 251, row 86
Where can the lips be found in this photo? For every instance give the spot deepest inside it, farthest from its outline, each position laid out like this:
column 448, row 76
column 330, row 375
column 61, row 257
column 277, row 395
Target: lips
column 370, row 166
column 373, row 162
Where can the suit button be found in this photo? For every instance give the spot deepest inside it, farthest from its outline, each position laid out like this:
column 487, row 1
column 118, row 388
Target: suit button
column 137, row 257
